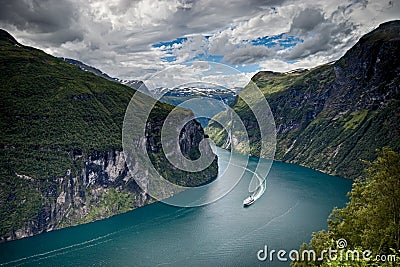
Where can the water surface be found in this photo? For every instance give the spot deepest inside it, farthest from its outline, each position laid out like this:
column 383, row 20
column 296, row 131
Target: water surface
column 296, row 202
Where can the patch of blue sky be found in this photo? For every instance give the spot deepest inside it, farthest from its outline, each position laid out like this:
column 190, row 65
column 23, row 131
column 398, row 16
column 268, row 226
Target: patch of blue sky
column 169, row 58
column 213, row 58
column 169, row 44
column 268, row 41
column 280, row 39
column 290, row 41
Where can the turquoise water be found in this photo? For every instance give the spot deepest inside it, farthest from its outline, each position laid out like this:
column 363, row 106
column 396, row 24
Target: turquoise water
column 296, row 202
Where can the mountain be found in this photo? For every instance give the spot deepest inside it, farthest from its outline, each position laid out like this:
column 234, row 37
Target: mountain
column 334, row 116
column 173, row 96
column 178, row 95
column 134, row 84
column 61, row 158
column 91, row 69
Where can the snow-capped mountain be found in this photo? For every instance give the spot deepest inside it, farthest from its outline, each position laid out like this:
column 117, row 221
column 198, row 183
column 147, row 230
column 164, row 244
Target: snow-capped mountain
column 179, row 94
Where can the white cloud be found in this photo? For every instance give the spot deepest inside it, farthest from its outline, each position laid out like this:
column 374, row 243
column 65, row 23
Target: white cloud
column 278, row 65
column 117, row 36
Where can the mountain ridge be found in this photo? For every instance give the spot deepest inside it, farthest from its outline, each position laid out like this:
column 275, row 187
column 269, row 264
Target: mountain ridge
column 334, row 116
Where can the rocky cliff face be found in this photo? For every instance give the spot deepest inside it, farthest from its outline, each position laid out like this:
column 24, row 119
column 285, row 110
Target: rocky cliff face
column 61, row 159
column 102, row 188
column 69, row 199
column 333, row 117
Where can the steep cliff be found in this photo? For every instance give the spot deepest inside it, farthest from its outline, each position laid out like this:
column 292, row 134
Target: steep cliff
column 61, row 159
column 332, row 117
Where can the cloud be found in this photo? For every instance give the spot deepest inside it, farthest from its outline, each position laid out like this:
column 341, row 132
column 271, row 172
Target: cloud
column 328, row 35
column 279, row 65
column 307, row 20
column 49, row 20
column 119, row 36
column 198, row 73
column 317, row 40
column 38, row 16
column 248, row 54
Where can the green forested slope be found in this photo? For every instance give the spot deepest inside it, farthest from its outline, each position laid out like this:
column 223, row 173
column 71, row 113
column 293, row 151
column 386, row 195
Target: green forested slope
column 60, row 139
column 370, row 221
column 331, row 117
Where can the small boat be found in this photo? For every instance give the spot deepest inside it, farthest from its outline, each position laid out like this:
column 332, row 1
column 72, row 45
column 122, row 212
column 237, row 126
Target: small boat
column 248, row 201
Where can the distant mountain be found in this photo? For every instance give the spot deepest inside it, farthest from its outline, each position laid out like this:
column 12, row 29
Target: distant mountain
column 88, row 68
column 135, row 84
column 333, row 117
column 61, row 159
column 178, row 95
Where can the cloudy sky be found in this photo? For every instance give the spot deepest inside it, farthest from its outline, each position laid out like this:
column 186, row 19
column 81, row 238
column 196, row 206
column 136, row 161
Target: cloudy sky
column 134, row 38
